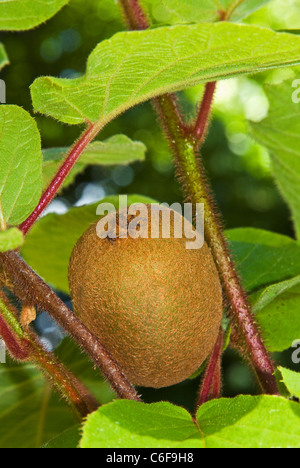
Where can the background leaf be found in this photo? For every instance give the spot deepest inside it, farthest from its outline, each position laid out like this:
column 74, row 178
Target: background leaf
column 244, row 421
column 280, row 133
column 67, row 439
column 31, row 413
column 135, row 66
column 264, row 257
column 3, row 57
column 10, row 239
column 50, row 243
column 21, row 165
column 277, row 311
column 117, row 150
column 291, row 381
column 189, row 11
column 19, row 15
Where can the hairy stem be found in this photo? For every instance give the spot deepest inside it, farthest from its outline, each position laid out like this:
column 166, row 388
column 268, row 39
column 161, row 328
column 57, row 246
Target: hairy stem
column 28, row 285
column 202, row 122
column 89, row 134
column 134, row 14
column 192, row 175
column 211, row 385
column 25, row 347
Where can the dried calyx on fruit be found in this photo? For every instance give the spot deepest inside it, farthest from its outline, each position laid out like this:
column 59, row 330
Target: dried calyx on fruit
column 154, row 304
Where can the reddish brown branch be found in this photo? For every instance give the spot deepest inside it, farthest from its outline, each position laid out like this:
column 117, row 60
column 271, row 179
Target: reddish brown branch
column 15, row 346
column 202, row 122
column 60, row 177
column 211, row 385
column 24, row 346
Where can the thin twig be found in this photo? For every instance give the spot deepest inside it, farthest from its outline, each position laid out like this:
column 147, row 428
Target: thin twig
column 202, row 123
column 89, row 134
column 211, row 384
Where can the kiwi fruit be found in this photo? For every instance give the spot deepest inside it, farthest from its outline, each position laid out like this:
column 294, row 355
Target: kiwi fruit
column 154, row 304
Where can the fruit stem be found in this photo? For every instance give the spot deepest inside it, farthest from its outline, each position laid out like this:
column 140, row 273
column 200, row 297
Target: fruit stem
column 134, row 15
column 192, row 175
column 211, row 385
column 25, row 347
column 72, row 157
column 28, row 286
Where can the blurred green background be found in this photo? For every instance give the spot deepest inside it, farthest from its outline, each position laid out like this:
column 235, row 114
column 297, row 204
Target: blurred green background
column 238, row 168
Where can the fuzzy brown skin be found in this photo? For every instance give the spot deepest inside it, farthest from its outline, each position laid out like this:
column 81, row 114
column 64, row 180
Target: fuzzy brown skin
column 154, row 305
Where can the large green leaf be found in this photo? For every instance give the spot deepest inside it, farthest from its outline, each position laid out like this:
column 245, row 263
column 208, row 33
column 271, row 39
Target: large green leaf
column 21, row 165
column 204, row 11
column 11, row 239
column 133, row 67
column 19, row 15
column 3, row 57
column 242, row 422
column 117, row 150
column 49, row 244
column 280, row 133
column 277, row 311
column 31, row 413
column 263, row 257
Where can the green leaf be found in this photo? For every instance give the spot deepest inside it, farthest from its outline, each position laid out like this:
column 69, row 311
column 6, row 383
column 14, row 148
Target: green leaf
column 277, row 311
column 80, row 365
column 49, row 244
column 250, row 422
column 245, row 8
column 19, row 15
column 280, row 133
column 290, row 380
column 128, row 424
column 117, row 150
column 31, row 413
column 11, row 239
column 21, row 165
column 263, row 257
column 189, row 11
column 241, row 422
column 3, row 57
column 68, row 439
column 135, row 66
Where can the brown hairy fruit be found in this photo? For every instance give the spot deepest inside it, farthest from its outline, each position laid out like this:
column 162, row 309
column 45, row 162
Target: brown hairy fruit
column 154, row 304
